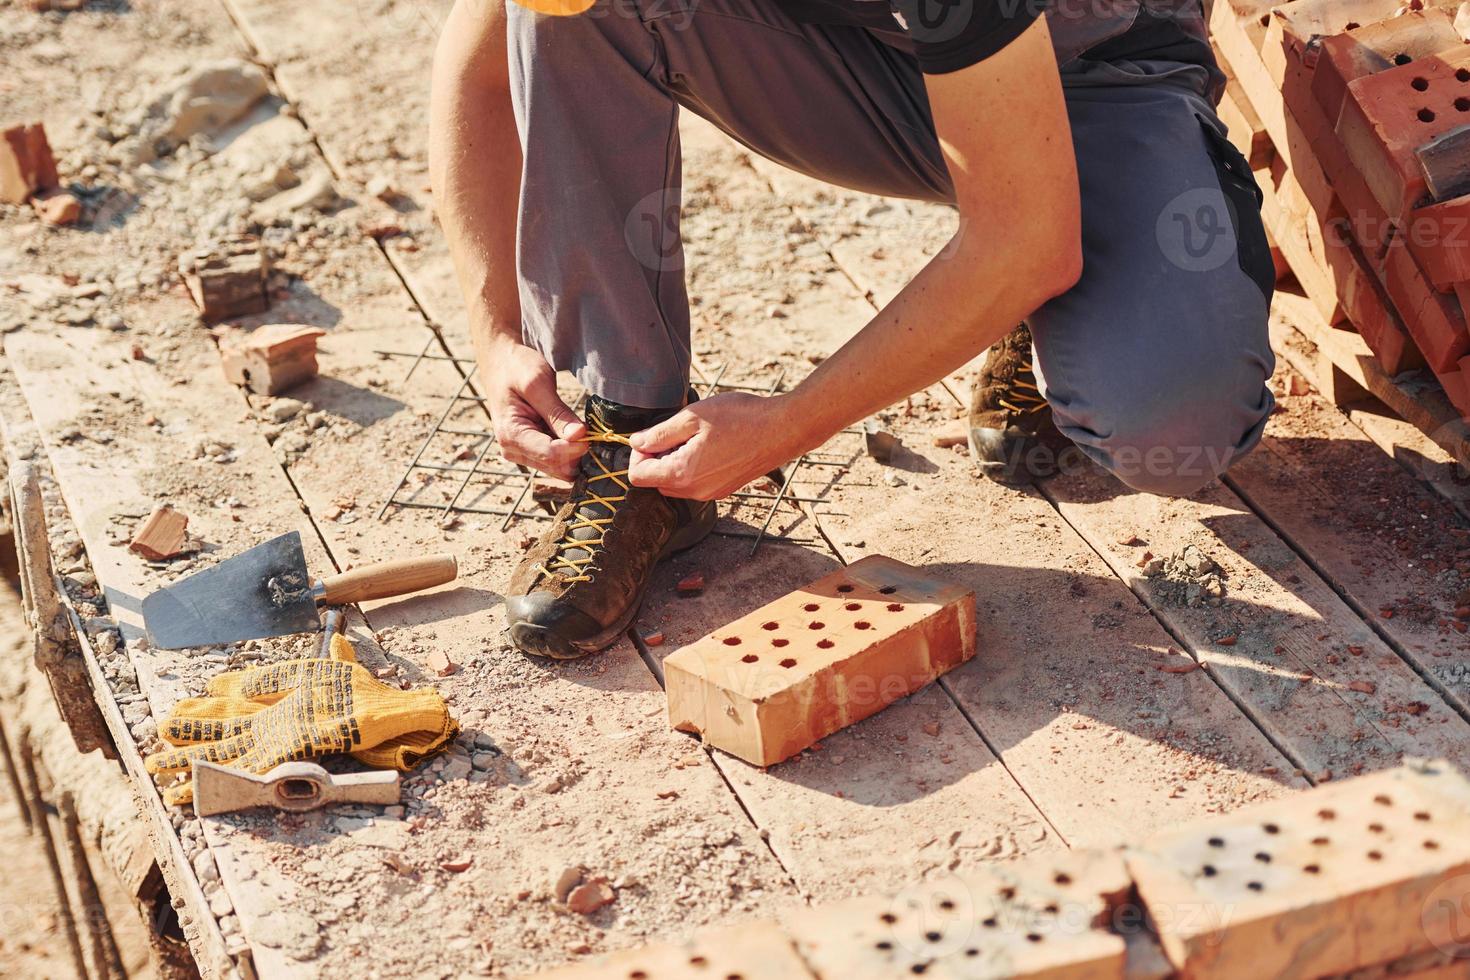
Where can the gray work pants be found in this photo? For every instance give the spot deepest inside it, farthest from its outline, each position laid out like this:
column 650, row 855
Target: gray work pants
column 1155, row 364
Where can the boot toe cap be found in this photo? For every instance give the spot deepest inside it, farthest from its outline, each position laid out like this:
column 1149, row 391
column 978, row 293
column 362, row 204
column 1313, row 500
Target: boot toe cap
column 545, row 625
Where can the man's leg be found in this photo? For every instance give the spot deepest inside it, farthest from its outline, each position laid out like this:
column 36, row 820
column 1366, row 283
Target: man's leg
column 597, row 99
column 1156, row 363
column 599, row 257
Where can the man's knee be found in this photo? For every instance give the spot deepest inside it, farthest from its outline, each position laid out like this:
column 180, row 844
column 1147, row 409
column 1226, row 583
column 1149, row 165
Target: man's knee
column 1174, row 442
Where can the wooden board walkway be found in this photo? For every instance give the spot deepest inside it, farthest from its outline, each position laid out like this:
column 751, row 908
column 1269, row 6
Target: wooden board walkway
column 1086, row 718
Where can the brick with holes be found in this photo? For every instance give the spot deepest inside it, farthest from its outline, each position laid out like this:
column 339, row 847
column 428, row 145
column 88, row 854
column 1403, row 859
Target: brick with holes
column 1387, row 116
column 773, row 682
column 1343, row 876
column 1377, row 47
column 1049, row 916
column 758, row 951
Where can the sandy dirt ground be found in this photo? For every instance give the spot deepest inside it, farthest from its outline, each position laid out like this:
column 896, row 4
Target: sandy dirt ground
column 1111, row 697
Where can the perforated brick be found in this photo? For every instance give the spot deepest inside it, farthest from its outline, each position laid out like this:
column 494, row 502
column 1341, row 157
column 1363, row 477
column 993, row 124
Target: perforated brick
column 1378, row 47
column 1347, row 875
column 1046, row 917
column 751, row 952
column 1387, row 116
column 773, row 682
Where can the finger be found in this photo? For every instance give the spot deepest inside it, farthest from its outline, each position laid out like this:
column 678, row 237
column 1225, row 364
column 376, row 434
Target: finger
column 541, row 395
column 523, row 443
column 668, row 434
column 666, row 473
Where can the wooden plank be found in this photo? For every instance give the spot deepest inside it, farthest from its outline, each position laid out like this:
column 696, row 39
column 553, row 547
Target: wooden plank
column 1323, row 684
column 67, row 381
column 1380, row 537
column 1300, row 336
column 1147, row 723
column 201, row 930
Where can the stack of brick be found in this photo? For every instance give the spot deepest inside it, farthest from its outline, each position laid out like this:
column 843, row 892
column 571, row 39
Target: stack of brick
column 1356, row 116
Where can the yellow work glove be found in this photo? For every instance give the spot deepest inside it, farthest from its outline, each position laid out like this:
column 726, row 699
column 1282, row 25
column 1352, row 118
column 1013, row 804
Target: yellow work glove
column 257, row 719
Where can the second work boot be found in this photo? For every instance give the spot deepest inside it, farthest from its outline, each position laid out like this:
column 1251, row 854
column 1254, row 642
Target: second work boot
column 580, row 586
column 1012, row 436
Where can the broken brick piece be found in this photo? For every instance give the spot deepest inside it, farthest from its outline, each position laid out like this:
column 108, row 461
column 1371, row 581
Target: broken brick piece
column 691, row 584
column 590, row 896
column 440, row 663
column 26, row 163
column 58, row 208
column 775, row 681
column 1314, row 884
column 272, row 358
column 226, row 278
column 163, row 535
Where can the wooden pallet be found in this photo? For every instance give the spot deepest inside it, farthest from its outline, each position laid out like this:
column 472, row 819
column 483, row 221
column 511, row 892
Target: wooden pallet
column 1432, row 438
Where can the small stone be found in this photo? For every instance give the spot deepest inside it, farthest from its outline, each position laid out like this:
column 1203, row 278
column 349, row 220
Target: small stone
column 457, row 865
column 283, row 409
column 566, row 881
column 1130, row 540
column 204, row 867
column 1227, row 641
column 931, row 728
column 482, row 760
column 1363, row 687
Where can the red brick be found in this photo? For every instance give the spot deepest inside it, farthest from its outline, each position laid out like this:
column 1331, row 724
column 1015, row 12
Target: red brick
column 1387, row 116
column 26, row 163
column 1439, row 237
column 1456, row 385
column 1367, row 305
column 1315, row 884
column 1378, row 47
column 775, row 681
column 1435, row 321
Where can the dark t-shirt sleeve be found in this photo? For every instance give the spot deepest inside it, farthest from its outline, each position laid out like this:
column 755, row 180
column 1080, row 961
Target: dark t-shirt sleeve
column 952, row 34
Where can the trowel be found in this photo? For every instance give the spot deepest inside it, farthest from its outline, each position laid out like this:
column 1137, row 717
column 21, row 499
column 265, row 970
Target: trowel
column 267, row 591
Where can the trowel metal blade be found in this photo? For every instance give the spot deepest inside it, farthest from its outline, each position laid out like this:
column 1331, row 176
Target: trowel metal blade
column 265, row 591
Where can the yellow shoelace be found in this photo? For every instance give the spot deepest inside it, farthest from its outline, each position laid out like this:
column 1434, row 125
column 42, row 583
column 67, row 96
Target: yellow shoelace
column 1030, row 403
column 575, row 569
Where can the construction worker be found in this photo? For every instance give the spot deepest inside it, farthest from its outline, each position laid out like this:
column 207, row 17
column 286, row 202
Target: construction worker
column 1099, row 203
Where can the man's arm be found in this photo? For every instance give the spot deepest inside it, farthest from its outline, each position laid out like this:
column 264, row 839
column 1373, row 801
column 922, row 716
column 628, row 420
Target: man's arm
column 475, row 166
column 1003, row 127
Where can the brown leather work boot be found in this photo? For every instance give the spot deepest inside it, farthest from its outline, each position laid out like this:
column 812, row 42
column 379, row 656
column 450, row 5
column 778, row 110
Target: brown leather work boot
column 580, row 586
column 1012, row 436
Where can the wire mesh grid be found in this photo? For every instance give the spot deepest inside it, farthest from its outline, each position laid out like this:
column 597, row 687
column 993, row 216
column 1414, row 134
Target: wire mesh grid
column 475, row 475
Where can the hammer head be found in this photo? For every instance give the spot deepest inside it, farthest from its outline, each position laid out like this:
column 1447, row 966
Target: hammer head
column 293, row 786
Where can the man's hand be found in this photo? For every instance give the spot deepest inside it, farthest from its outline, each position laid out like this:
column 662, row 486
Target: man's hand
column 533, row 425
column 714, row 447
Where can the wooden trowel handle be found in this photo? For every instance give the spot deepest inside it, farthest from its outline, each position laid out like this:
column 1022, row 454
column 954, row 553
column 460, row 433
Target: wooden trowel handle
column 387, row 578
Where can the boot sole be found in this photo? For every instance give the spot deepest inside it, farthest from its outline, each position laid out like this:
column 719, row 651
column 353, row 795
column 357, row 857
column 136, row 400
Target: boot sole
column 541, row 642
